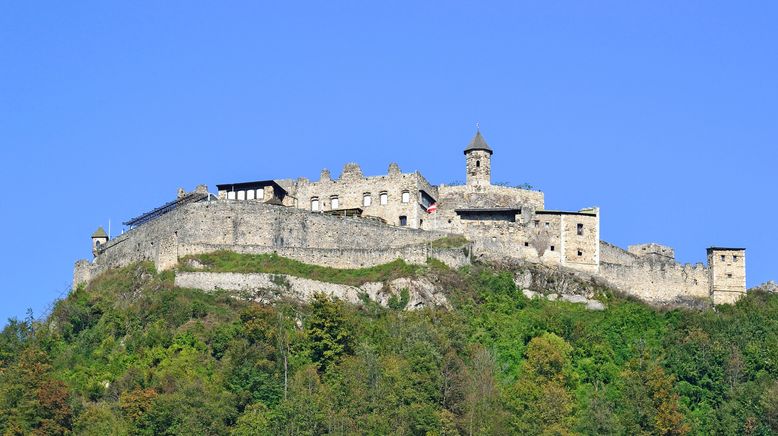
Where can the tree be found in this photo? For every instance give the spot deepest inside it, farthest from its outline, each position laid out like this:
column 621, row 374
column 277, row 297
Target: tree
column 328, row 333
column 649, row 404
column 540, row 399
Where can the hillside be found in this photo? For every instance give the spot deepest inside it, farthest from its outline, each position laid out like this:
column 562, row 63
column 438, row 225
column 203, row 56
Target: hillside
column 132, row 354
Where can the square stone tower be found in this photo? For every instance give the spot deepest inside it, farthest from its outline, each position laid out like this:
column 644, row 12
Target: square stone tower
column 727, row 274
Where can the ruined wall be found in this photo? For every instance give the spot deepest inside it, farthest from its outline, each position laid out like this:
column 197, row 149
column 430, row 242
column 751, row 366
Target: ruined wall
column 652, row 280
column 255, row 227
column 352, row 186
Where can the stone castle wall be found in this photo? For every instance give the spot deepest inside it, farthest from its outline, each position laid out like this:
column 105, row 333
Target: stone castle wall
column 254, row 227
column 352, row 186
column 652, row 280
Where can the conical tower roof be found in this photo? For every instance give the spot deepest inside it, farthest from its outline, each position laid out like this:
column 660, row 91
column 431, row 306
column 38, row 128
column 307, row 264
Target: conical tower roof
column 478, row 143
column 100, row 233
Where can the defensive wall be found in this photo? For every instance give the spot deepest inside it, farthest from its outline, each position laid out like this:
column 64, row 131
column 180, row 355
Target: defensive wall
column 255, row 227
column 655, row 279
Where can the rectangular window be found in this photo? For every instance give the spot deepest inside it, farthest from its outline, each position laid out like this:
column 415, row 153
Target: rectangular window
column 315, row 204
column 552, row 248
column 734, row 258
column 723, row 258
column 403, row 220
column 384, row 198
column 537, row 223
column 260, row 194
column 729, row 276
column 526, row 244
column 579, row 229
column 334, row 202
column 406, row 197
column 250, row 194
column 231, row 195
column 241, row 195
column 547, row 225
column 366, row 200
column 580, row 253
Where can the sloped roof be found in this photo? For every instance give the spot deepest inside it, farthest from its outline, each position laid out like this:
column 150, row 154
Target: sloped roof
column 100, row 233
column 478, row 143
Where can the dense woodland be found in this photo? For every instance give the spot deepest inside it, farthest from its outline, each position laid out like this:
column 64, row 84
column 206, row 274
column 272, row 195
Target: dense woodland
column 132, row 354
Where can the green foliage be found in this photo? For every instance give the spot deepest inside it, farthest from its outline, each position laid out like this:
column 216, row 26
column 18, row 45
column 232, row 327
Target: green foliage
column 228, row 261
column 449, row 242
column 399, row 303
column 132, row 354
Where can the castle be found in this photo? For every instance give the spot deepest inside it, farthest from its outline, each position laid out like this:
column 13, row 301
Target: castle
column 356, row 221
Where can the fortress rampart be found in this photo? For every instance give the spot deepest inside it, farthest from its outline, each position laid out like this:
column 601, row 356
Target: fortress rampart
column 255, row 227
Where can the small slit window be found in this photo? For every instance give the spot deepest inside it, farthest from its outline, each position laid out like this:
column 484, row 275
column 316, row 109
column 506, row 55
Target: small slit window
column 579, row 229
column 478, row 164
column 315, row 204
column 552, row 248
column 729, row 275
column 580, row 253
column 526, row 244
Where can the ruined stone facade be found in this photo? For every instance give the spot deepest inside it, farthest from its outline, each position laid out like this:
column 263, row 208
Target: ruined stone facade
column 356, row 221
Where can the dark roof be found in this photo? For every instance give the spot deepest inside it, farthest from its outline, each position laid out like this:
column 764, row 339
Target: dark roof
column 488, row 210
column 559, row 212
column 725, row 249
column 99, row 233
column 250, row 185
column 478, row 143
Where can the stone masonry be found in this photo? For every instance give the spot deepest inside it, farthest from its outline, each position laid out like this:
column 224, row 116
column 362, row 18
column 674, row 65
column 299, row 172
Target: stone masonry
column 356, row 221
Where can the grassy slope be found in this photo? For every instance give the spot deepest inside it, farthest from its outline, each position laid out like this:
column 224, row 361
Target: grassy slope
column 141, row 356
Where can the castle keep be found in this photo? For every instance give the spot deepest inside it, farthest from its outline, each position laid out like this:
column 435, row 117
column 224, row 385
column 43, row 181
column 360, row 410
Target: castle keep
column 357, row 221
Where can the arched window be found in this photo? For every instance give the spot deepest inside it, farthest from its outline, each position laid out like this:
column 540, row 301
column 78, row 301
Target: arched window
column 314, row 204
column 478, row 164
column 384, row 198
column 334, row 202
column 367, row 200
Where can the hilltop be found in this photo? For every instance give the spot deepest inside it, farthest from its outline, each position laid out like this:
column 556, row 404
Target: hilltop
column 132, row 353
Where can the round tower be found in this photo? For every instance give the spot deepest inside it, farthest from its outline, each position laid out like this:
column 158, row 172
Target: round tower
column 478, row 161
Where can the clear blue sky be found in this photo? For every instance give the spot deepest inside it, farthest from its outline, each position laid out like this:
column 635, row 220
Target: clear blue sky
column 663, row 113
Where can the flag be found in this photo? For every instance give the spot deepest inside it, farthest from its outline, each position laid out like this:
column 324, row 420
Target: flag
column 432, row 208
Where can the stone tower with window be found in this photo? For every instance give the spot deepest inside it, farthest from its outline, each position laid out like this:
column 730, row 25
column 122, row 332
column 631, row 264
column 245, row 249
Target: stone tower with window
column 727, row 268
column 478, row 159
column 99, row 237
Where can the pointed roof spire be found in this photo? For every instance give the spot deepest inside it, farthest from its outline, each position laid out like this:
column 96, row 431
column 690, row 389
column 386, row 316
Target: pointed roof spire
column 100, row 233
column 478, row 143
